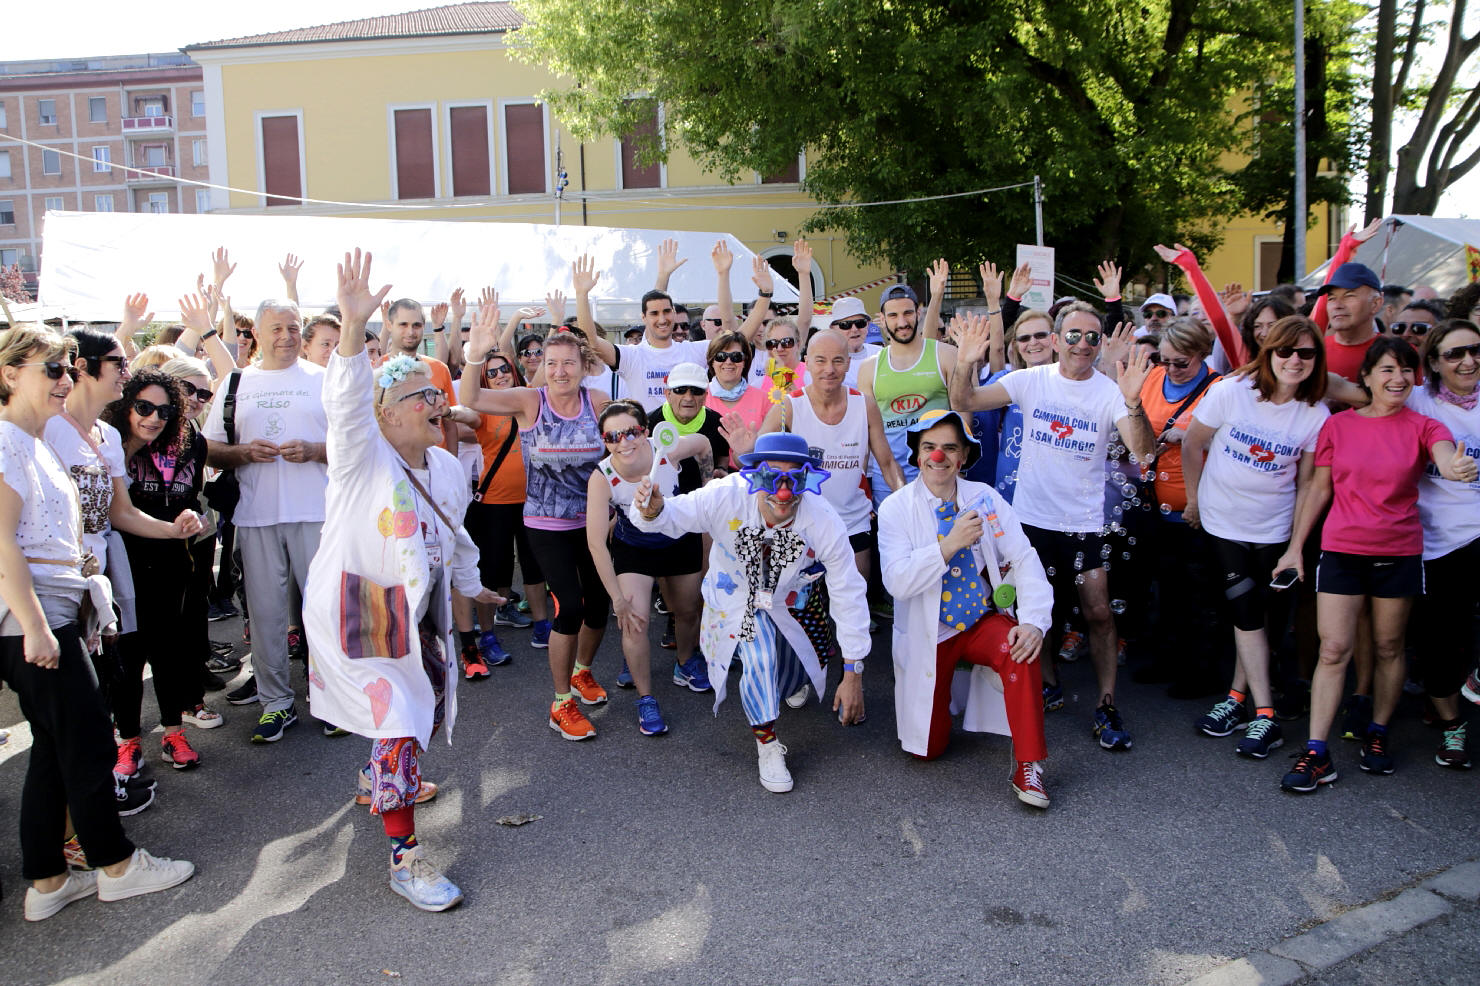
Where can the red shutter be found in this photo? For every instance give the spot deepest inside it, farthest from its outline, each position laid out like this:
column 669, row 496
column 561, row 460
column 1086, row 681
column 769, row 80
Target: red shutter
column 792, row 175
column 281, row 160
column 470, row 171
column 633, row 174
column 524, row 147
column 415, row 174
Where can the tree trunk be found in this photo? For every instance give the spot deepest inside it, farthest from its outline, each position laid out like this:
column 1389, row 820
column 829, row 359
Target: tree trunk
column 1381, row 145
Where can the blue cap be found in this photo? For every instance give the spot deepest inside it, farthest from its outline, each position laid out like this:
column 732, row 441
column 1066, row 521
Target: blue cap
column 929, row 420
column 781, row 446
column 896, row 291
column 1349, row 276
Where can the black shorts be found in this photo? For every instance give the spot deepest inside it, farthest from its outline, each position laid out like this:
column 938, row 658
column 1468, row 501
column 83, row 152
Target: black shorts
column 1384, row 576
column 497, row 528
column 861, row 541
column 685, row 556
column 1067, row 555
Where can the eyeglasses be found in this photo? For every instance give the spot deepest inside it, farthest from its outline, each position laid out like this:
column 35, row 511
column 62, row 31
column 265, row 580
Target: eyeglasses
column 714, row 321
column 430, row 395
column 852, row 323
column 1072, row 337
column 1415, row 328
column 787, row 343
column 499, row 369
column 1032, row 335
column 201, row 394
column 687, row 391
column 144, row 409
column 1306, row 353
column 54, row 369
column 618, row 437
column 1458, row 353
column 1156, row 313
column 532, row 354
column 735, row 357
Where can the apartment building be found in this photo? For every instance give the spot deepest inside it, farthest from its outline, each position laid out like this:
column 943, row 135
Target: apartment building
column 105, row 135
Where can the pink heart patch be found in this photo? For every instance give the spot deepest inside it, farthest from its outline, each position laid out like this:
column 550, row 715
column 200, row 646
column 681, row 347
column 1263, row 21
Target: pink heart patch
column 379, row 693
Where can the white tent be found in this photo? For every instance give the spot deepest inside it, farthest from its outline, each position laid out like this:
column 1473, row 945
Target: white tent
column 91, row 261
column 1414, row 251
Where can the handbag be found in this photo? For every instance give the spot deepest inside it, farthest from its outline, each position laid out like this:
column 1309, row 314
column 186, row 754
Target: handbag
column 225, row 491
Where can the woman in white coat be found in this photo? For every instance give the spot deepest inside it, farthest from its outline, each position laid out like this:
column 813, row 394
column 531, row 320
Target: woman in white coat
column 379, row 597
column 967, row 586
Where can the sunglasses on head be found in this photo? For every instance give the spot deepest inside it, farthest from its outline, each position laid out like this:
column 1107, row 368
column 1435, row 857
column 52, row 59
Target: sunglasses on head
column 1306, row 353
column 1416, row 328
column 735, row 357
column 1025, row 337
column 54, row 369
column 201, row 394
column 618, row 437
column 144, row 409
column 788, row 343
column 499, row 369
column 852, row 323
column 1458, row 353
column 687, row 391
column 1072, row 337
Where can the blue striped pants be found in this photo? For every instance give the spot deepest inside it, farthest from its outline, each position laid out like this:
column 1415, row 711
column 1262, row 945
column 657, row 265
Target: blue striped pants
column 771, row 670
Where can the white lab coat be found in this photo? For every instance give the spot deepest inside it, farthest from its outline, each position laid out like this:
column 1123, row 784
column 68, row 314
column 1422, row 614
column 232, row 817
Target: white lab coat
column 912, row 571
column 384, row 692
column 723, row 509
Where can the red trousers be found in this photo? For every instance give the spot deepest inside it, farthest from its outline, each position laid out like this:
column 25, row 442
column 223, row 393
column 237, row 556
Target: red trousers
column 1022, row 686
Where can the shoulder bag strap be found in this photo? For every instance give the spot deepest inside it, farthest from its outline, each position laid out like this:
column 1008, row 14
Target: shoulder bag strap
column 228, row 407
column 428, row 498
column 498, row 460
column 1189, row 400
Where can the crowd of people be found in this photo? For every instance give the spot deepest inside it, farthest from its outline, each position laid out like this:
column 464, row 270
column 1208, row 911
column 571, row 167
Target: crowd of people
column 1242, row 497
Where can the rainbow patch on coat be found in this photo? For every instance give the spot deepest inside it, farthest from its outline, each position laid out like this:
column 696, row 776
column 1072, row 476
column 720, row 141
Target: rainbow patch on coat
column 374, row 621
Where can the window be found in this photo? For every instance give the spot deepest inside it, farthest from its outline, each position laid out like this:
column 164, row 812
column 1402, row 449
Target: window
column 633, row 174
column 46, row 111
column 7, row 212
column 51, row 162
column 159, row 202
column 282, row 169
column 789, row 175
column 3, row 122
column 524, row 148
column 470, row 165
column 102, row 157
column 154, row 155
column 54, row 203
column 198, row 153
column 416, row 173
column 97, row 109
column 103, row 203
column 154, row 106
column 197, row 103
column 9, row 258
column 4, row 164
column 202, row 200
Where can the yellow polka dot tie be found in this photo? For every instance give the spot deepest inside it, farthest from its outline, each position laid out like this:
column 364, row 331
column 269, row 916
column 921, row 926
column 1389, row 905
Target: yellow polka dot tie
column 963, row 598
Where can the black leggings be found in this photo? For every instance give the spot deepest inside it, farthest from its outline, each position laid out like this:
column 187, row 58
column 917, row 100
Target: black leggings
column 165, row 638
column 1446, row 620
column 571, row 575
column 1246, row 571
column 497, row 529
column 71, row 760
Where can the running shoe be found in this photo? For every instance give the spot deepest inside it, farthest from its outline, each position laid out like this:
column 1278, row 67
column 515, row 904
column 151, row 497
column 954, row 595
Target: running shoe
column 566, row 719
column 224, row 610
column 472, row 660
column 1311, row 770
column 130, row 755
column 1027, row 782
column 493, row 652
column 244, row 695
column 1356, row 717
column 1261, row 736
column 1224, row 718
column 583, row 682
column 659, row 603
column 1471, row 688
column 297, row 645
column 1053, row 698
column 1375, row 758
column 798, row 698
column 130, row 799
column 1111, row 731
column 175, row 749
column 272, row 725
column 73, row 854
column 692, row 674
column 539, row 634
column 1071, row 647
column 669, row 640
column 210, row 681
column 508, row 615
column 416, row 879
column 203, row 717
column 649, row 719
column 223, row 664
column 1452, row 752
column 624, row 676
column 332, row 731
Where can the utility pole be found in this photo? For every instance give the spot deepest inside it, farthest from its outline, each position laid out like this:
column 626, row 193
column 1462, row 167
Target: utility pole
column 1038, row 206
column 1301, row 206
column 561, row 181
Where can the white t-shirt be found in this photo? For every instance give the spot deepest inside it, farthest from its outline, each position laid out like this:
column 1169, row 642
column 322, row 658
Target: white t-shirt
column 279, row 406
column 1247, row 490
column 855, row 360
column 643, row 369
column 94, row 477
column 48, row 525
column 1450, row 511
column 1067, row 426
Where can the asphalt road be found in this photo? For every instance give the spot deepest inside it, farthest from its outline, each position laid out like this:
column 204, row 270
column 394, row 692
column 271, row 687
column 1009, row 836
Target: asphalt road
column 662, row 860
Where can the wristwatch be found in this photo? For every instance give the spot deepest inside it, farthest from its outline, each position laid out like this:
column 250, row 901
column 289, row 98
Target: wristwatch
column 855, row 666
column 764, row 294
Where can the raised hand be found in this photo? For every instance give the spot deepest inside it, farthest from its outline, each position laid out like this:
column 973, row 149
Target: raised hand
column 439, row 314
column 991, row 283
column 1132, row 374
column 761, row 274
column 136, row 310
column 801, row 256
column 483, row 336
column 940, row 273
column 739, row 433
column 974, row 338
column 356, row 303
column 1166, row 253
column 458, row 307
column 1108, row 283
column 722, row 257
column 584, row 275
column 1235, row 300
column 555, row 305
column 289, row 268
column 221, row 266
column 194, row 314
column 1367, row 232
column 1022, row 281
column 1118, row 342
column 668, row 258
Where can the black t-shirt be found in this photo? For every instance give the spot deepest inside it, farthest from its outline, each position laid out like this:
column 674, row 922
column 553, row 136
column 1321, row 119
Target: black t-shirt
column 161, row 485
column 689, row 478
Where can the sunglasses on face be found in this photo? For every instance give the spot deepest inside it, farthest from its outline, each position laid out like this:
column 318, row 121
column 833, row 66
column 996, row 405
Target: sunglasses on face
column 851, row 323
column 1032, row 335
column 687, row 391
column 715, row 321
column 193, row 392
column 787, row 343
column 1414, row 328
column 1306, row 353
column 532, row 353
column 618, row 437
column 1072, row 337
column 736, row 357
column 498, row 370
column 122, row 361
column 55, row 369
column 144, row 409
column 1177, row 364
column 1458, row 353
column 1157, row 313
column 428, row 395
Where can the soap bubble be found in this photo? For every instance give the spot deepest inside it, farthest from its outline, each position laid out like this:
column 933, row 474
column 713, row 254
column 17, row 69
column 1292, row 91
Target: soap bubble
column 1166, row 508
column 1117, row 606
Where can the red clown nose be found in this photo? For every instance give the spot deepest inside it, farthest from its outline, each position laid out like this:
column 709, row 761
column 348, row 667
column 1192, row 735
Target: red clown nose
column 936, row 455
column 784, row 494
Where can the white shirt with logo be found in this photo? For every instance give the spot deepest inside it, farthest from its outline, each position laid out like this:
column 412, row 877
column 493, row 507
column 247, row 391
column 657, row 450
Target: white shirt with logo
column 643, row 369
column 1450, row 511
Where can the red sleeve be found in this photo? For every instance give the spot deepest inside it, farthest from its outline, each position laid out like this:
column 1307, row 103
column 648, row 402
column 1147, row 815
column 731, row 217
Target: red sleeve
column 1325, row 446
column 1233, row 344
column 1343, row 254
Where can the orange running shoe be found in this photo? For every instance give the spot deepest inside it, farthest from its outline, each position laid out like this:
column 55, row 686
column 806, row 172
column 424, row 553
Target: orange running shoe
column 586, row 688
column 566, row 719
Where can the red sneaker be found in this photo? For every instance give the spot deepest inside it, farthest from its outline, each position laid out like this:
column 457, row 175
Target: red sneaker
column 1027, row 781
column 130, row 755
column 472, row 661
column 176, row 749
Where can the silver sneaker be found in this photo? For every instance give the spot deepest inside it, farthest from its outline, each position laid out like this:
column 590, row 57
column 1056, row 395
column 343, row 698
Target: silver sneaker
column 774, row 775
column 145, row 875
column 80, row 884
column 798, row 698
column 416, row 879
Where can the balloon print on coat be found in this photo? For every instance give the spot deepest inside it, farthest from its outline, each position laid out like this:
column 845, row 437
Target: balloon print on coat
column 398, row 520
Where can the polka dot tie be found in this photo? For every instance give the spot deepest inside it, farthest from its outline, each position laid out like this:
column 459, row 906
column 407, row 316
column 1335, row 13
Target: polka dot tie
column 963, row 601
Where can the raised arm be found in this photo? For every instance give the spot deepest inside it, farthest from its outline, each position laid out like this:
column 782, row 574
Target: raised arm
column 356, row 303
column 723, row 260
column 289, row 268
column 200, row 331
column 1135, row 428
column 1344, row 251
column 940, row 273
column 135, row 307
column 668, row 262
column 964, row 393
column 801, row 260
column 765, row 286
column 1208, row 297
column 997, row 335
column 522, row 402
column 584, row 275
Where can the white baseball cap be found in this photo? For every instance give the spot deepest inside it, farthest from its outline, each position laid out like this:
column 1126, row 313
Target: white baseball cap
column 687, row 375
column 849, row 307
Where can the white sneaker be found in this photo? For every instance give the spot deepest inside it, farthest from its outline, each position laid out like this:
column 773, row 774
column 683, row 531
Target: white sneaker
column 774, row 775
column 145, row 875
column 80, row 884
column 203, row 717
column 798, row 698
column 416, row 879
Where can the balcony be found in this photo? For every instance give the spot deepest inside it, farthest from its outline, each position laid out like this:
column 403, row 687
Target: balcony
column 151, row 174
column 148, row 126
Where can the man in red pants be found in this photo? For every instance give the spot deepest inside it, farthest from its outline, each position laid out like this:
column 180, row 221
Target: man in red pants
column 968, row 588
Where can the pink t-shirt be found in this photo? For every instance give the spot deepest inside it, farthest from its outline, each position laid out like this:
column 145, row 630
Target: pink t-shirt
column 1375, row 465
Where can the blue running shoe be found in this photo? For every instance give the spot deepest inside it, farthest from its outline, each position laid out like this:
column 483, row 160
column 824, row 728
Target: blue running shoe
column 539, row 635
column 1053, row 698
column 649, row 719
column 692, row 674
column 508, row 615
column 493, row 652
column 1111, row 731
column 624, row 677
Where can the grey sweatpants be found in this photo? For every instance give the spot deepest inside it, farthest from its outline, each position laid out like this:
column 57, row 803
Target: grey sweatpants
column 270, row 557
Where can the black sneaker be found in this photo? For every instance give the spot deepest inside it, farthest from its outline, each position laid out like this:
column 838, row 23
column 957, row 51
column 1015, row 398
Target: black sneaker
column 669, row 640
column 1223, row 718
column 223, row 665
column 1356, row 717
column 245, row 695
column 131, row 798
column 272, row 725
column 1375, row 759
column 224, row 610
column 297, row 645
column 1261, row 736
column 1310, row 772
column 211, row 681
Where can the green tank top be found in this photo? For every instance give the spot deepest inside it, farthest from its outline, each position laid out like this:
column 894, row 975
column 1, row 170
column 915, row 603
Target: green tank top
column 904, row 395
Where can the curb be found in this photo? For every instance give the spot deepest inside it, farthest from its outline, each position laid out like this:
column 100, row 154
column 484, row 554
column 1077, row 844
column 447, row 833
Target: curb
column 1351, row 933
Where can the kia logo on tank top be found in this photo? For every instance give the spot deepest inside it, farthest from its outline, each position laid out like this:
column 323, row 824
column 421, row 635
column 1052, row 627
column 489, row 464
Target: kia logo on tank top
column 905, row 403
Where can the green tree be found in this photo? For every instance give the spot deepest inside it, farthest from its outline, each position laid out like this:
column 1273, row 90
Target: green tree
column 1125, row 110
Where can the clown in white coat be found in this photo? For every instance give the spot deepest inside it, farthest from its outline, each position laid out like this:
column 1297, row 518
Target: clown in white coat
column 378, row 606
column 773, row 538
column 968, row 588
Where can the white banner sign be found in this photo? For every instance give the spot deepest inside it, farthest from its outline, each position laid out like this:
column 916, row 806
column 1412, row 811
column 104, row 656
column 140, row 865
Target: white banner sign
column 1040, row 296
